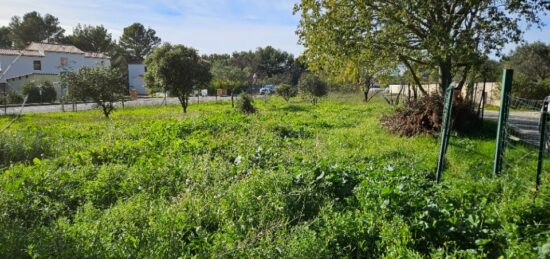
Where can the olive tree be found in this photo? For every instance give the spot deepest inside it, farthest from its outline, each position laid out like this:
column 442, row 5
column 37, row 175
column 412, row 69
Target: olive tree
column 103, row 85
column 178, row 69
column 312, row 86
column 286, row 91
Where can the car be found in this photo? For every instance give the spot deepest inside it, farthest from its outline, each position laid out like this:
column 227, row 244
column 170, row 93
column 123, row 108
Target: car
column 267, row 89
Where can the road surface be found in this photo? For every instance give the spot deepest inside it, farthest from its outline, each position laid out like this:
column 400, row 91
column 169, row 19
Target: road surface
column 89, row 106
column 524, row 124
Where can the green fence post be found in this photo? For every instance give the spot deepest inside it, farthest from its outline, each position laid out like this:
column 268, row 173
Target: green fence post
column 543, row 120
column 446, row 128
column 506, row 86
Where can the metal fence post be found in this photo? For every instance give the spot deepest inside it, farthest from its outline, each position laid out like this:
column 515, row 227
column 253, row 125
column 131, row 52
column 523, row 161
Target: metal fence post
column 445, row 130
column 506, row 88
column 542, row 143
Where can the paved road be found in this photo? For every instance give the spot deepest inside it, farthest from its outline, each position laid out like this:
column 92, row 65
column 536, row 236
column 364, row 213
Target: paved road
column 524, row 124
column 89, row 106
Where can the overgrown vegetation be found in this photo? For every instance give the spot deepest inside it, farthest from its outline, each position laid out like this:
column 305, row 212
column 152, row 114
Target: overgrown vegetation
column 39, row 93
column 295, row 180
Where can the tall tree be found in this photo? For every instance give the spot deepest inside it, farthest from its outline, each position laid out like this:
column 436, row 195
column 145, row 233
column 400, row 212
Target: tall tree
column 451, row 35
column 5, row 41
column 178, row 69
column 138, row 42
column 531, row 60
column 91, row 38
column 33, row 27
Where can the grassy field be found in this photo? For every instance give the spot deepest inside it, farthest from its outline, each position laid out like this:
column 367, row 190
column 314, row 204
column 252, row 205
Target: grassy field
column 294, row 180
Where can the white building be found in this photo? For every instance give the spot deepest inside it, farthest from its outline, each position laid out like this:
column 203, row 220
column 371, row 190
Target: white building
column 135, row 78
column 44, row 60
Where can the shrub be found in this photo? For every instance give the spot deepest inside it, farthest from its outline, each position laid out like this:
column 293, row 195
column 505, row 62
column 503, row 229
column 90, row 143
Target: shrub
column 245, row 104
column 39, row 94
column 313, row 86
column 286, row 91
column 14, row 97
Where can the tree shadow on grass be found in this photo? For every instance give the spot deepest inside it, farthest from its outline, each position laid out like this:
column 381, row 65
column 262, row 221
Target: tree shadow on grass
column 296, row 108
column 487, row 130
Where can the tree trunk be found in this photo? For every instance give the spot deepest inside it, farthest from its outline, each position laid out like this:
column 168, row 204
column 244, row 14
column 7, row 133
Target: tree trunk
column 184, row 101
column 232, row 101
column 366, row 93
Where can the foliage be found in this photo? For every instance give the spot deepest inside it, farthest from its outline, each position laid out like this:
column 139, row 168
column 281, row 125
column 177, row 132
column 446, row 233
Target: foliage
column 33, row 27
column 178, row 69
column 5, row 41
column 138, row 42
column 292, row 181
column 286, row 91
column 312, row 86
column 104, row 85
column 230, row 77
column 531, row 60
column 412, row 32
column 14, row 97
column 91, row 38
column 524, row 87
column 245, row 104
column 22, row 147
column 45, row 92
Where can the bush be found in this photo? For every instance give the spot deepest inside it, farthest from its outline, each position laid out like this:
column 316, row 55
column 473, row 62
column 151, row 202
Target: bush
column 313, row 86
column 286, row 91
column 39, row 94
column 245, row 104
column 14, row 97
column 19, row 147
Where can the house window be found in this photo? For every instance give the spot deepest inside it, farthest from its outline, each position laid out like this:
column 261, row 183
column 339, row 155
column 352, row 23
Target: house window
column 63, row 61
column 37, row 65
column 145, row 69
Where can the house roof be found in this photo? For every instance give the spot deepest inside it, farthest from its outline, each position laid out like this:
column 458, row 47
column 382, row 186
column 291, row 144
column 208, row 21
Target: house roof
column 16, row 52
column 96, row 55
column 30, row 74
column 38, row 49
column 42, row 47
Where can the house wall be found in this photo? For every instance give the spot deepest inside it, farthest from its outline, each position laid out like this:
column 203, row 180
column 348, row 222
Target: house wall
column 51, row 64
column 16, row 84
column 135, row 78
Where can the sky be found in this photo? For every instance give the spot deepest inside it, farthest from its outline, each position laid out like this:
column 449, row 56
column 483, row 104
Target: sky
column 211, row 26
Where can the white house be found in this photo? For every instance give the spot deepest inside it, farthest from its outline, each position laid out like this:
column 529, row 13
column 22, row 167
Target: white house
column 44, row 61
column 135, row 78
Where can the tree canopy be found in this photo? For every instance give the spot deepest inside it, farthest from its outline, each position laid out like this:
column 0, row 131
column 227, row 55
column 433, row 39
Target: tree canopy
column 230, row 77
column 450, row 35
column 5, row 41
column 91, row 38
column 138, row 41
column 178, row 69
column 532, row 60
column 33, row 27
column 104, row 85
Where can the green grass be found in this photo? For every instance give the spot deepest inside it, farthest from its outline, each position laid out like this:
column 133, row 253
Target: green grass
column 294, row 180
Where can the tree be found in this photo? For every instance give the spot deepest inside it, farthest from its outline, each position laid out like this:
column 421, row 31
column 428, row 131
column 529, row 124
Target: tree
column 5, row 41
column 230, row 77
column 104, row 85
column 91, row 38
column 286, row 91
column 33, row 27
column 313, row 86
column 451, row 35
column 138, row 42
column 178, row 69
column 531, row 60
